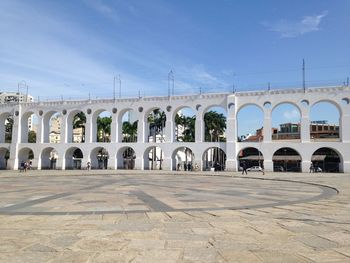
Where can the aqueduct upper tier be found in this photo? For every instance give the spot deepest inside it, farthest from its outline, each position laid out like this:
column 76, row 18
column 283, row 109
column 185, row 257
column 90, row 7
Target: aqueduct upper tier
column 231, row 103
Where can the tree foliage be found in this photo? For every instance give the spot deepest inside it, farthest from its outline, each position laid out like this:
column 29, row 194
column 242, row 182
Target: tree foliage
column 103, row 129
column 79, row 121
column 215, row 126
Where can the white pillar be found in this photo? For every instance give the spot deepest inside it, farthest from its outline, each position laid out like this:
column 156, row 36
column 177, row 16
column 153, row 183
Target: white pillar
column 268, row 165
column 199, row 126
column 114, row 130
column 16, row 138
column 66, row 130
column 141, row 129
column 305, row 126
column 90, row 130
column 40, row 130
column 267, row 125
column 344, row 125
column 169, row 130
column 305, row 166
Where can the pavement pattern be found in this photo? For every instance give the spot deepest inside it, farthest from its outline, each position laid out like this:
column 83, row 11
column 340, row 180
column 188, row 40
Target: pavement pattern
column 156, row 216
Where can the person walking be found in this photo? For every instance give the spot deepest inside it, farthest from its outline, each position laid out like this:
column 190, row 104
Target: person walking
column 312, row 168
column 244, row 166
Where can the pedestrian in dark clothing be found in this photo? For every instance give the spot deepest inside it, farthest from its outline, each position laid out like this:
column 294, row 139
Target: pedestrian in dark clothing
column 244, row 166
column 311, row 168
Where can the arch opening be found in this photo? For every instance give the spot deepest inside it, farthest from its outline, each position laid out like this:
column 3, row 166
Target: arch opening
column 183, row 160
column 129, row 126
column 326, row 160
column 286, row 120
column 52, row 127
column 99, row 158
column 251, row 157
column 286, row 160
column 153, row 158
column 76, row 126
column 324, row 122
column 49, row 158
column 73, row 158
column 25, row 155
column 103, row 127
column 156, row 121
column 215, row 124
column 185, row 121
column 6, row 127
column 29, row 127
column 250, row 122
column 214, row 159
column 126, row 158
column 4, row 156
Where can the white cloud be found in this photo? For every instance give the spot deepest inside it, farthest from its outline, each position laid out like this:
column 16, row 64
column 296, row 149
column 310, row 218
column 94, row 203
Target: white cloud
column 290, row 29
column 292, row 115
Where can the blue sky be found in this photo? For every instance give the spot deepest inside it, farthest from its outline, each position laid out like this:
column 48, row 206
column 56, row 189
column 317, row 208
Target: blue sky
column 75, row 48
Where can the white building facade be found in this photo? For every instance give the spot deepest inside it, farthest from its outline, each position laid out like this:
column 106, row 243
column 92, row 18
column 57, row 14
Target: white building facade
column 232, row 103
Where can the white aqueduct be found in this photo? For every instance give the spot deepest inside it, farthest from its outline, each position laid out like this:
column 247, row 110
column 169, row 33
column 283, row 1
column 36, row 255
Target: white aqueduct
column 232, row 103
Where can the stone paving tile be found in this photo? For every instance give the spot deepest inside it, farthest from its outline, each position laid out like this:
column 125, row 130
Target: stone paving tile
column 316, row 231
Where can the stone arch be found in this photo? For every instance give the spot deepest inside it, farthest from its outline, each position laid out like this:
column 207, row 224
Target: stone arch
column 4, row 156
column 214, row 158
column 325, row 119
column 251, row 156
column 286, row 125
column 128, row 125
column 183, row 159
column 184, row 129
column 155, row 130
column 214, row 123
column 28, row 134
column 126, row 158
column 25, row 154
column 104, row 133
column 6, row 127
column 99, row 158
column 286, row 159
column 153, row 158
column 79, row 135
column 73, row 158
column 52, row 130
column 327, row 159
column 249, row 129
column 48, row 158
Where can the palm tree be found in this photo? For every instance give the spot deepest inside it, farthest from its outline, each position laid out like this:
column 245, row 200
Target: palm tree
column 157, row 120
column 103, row 128
column 79, row 122
column 215, row 125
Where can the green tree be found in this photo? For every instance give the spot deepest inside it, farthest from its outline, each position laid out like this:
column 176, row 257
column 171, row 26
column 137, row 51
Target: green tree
column 103, row 129
column 129, row 131
column 8, row 129
column 215, row 125
column 79, row 121
column 31, row 137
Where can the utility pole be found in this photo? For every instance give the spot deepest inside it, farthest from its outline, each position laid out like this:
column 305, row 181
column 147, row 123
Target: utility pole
column 268, row 86
column 114, row 88
column 120, row 87
column 304, row 86
column 347, row 81
column 170, row 83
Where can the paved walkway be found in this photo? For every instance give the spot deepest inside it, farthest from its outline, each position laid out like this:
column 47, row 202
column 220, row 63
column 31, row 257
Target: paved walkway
column 129, row 216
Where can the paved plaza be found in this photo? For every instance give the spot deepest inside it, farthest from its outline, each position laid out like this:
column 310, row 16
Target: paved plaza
column 146, row 216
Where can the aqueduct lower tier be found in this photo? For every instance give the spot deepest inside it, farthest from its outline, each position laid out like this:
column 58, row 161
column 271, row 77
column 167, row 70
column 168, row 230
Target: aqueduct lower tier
column 232, row 103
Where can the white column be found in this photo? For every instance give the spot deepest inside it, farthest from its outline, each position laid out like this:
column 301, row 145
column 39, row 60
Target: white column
column 231, row 135
column 66, row 130
column 114, row 130
column 268, row 165
column 305, row 166
column 305, row 126
column 267, row 125
column 141, row 129
column 344, row 125
column 169, row 130
column 90, row 130
column 40, row 130
column 16, row 137
column 199, row 134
